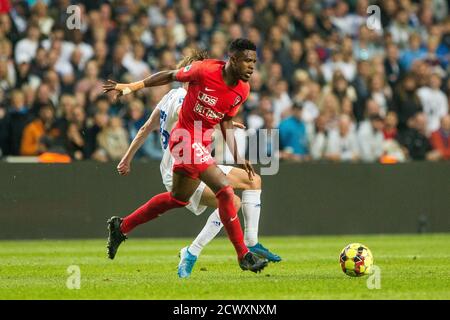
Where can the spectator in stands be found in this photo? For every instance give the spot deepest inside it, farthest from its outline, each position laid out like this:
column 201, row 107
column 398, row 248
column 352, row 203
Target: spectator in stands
column 370, row 138
column 293, row 138
column 400, row 29
column 76, row 134
column 380, row 92
column 413, row 52
column 440, row 139
column 268, row 145
column 434, row 102
column 136, row 118
column 406, row 102
column 342, row 144
column 392, row 66
column 90, row 85
column 318, row 138
column 321, row 53
column 28, row 46
column 16, row 118
column 392, row 150
column 414, row 139
column 40, row 134
column 281, row 101
column 113, row 140
column 91, row 149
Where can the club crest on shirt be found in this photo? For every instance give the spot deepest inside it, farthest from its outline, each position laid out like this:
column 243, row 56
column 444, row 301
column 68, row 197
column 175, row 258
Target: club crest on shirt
column 237, row 101
column 187, row 68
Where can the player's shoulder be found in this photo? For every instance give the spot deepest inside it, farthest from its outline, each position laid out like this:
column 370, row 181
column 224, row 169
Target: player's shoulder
column 212, row 64
column 176, row 92
column 172, row 98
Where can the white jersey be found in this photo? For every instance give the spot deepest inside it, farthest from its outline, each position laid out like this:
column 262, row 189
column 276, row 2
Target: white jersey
column 168, row 106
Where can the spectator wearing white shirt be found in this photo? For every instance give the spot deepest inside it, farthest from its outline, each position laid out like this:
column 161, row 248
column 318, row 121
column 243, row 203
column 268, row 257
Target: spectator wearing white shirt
column 336, row 63
column 318, row 137
column 400, row 29
column 434, row 102
column 45, row 21
column 29, row 45
column 281, row 101
column 370, row 139
column 342, row 143
column 380, row 92
column 134, row 62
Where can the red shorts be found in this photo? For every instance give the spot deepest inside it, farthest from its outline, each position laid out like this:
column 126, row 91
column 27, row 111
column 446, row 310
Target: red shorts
column 190, row 158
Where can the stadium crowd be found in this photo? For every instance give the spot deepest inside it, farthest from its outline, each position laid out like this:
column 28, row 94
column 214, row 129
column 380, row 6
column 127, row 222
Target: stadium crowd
column 336, row 87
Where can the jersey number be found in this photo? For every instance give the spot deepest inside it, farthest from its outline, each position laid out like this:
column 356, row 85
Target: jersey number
column 165, row 135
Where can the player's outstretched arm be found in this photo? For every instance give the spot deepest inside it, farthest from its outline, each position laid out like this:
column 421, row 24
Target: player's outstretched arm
column 227, row 128
column 124, row 166
column 157, row 79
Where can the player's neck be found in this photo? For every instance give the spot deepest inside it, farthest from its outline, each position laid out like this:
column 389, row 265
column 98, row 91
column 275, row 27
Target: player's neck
column 229, row 77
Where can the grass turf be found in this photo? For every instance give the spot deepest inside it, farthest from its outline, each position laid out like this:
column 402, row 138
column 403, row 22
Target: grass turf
column 412, row 267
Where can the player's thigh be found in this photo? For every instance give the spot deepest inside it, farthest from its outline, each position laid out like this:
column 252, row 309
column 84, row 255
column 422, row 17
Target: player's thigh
column 183, row 186
column 214, row 178
column 239, row 179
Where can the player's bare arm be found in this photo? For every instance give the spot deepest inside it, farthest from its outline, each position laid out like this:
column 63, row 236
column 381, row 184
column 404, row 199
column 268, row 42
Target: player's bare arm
column 227, row 127
column 124, row 166
column 157, row 79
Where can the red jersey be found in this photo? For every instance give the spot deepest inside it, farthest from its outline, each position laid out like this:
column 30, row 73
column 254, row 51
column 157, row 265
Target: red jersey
column 209, row 99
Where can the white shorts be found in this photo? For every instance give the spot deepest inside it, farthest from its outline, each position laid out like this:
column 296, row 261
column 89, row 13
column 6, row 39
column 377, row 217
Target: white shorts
column 194, row 201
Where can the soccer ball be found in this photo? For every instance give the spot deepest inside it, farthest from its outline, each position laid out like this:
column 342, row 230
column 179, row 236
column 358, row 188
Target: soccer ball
column 356, row 260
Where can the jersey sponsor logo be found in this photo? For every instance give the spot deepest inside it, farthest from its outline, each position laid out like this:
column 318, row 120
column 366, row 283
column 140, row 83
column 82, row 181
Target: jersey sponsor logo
column 208, row 112
column 206, row 98
column 232, row 219
column 208, row 89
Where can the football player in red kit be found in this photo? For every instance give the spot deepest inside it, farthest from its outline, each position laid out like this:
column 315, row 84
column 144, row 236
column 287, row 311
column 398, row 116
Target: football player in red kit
column 216, row 91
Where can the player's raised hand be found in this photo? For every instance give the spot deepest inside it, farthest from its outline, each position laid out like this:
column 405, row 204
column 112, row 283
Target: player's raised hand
column 118, row 88
column 124, row 167
column 247, row 166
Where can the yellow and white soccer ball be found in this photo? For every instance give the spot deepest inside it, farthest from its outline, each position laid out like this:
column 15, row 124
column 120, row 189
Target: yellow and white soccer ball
column 356, row 260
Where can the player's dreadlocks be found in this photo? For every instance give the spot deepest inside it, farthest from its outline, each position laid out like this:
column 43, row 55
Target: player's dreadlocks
column 196, row 55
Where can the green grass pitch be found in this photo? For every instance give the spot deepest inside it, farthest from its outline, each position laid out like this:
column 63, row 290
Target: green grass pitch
column 412, row 267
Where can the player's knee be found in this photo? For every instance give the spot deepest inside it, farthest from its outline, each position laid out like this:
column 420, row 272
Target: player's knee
column 237, row 202
column 180, row 196
column 226, row 194
column 254, row 184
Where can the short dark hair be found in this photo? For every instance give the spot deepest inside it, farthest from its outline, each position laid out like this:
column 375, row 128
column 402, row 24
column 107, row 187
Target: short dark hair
column 241, row 44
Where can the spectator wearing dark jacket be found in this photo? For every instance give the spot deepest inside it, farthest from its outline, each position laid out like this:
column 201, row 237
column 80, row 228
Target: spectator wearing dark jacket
column 414, row 140
column 406, row 102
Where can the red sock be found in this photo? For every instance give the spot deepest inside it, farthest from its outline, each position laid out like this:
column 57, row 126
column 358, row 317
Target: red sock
column 230, row 220
column 152, row 209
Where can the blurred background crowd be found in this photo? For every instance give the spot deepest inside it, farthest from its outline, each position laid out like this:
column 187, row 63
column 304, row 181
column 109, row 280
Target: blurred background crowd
column 337, row 88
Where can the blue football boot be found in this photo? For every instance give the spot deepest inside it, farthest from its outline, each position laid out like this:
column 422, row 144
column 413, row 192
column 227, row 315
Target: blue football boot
column 260, row 250
column 187, row 262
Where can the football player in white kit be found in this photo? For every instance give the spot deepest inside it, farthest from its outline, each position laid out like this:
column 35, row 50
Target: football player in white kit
column 164, row 116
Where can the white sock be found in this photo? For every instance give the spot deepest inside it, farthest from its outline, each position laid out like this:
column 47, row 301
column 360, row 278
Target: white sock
column 209, row 231
column 251, row 209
